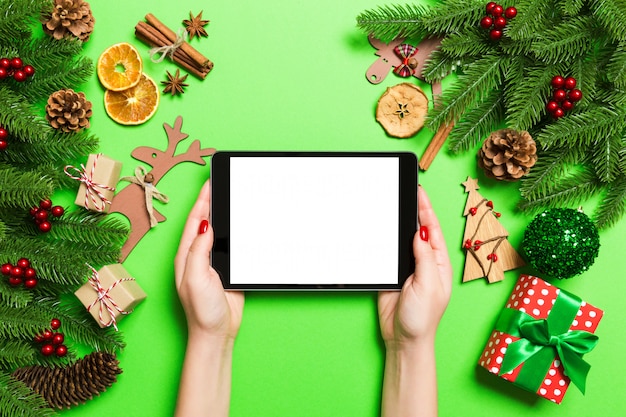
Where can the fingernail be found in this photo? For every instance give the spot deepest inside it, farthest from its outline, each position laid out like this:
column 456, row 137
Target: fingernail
column 424, row 233
column 204, row 226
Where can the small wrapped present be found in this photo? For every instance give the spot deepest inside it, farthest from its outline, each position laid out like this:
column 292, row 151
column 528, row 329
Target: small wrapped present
column 110, row 294
column 97, row 182
column 540, row 338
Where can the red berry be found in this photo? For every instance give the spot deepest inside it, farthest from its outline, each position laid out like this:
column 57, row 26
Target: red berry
column 41, row 215
column 486, row 22
column 473, row 211
column 497, row 10
column 570, row 83
column 30, row 273
column 510, row 12
column 23, row 263
column 47, row 350
column 29, row 70
column 567, row 105
column 45, row 226
column 47, row 334
column 55, row 324
column 61, row 350
column 467, row 244
column 16, row 271
column 38, row 338
column 499, row 23
column 3, row 133
column 497, row 214
column 16, row 63
column 560, row 94
column 489, row 204
column 495, row 34
column 19, row 76
column 552, row 106
column 15, row 281
column 58, row 338
column 6, row 269
column 45, row 204
column 3, row 73
column 57, row 211
column 558, row 113
column 477, row 244
column 575, row 95
column 558, row 81
column 490, row 6
column 30, row 283
column 5, row 63
column 3, row 144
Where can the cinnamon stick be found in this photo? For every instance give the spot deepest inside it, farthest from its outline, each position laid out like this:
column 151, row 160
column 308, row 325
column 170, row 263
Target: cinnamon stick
column 196, row 56
column 179, row 58
column 435, row 144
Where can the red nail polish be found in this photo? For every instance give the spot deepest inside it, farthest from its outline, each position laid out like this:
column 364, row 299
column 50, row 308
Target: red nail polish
column 424, row 233
column 204, row 226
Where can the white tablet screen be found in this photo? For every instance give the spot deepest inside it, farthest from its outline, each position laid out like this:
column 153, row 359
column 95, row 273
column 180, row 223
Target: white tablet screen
column 314, row 221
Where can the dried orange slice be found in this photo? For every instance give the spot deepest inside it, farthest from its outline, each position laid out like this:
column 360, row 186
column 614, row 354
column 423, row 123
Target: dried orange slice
column 134, row 105
column 119, row 67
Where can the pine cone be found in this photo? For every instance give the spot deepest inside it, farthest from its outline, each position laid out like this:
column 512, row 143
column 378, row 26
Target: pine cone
column 68, row 18
column 75, row 384
column 507, row 154
column 68, row 111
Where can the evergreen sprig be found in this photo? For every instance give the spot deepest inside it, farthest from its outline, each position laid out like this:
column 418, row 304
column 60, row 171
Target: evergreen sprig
column 23, row 189
column 15, row 353
column 17, row 399
column 508, row 81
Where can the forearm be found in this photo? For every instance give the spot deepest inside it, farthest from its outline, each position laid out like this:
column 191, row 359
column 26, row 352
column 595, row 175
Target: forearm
column 206, row 378
column 410, row 381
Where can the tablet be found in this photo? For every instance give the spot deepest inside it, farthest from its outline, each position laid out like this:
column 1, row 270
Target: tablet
column 313, row 220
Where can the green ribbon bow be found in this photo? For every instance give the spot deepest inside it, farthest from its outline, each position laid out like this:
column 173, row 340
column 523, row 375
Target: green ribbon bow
column 542, row 340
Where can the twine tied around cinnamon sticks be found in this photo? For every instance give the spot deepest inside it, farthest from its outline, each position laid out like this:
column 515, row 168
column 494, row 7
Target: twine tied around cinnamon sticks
column 154, row 33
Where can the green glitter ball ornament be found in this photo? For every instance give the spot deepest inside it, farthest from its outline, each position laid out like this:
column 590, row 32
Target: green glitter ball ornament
column 561, row 242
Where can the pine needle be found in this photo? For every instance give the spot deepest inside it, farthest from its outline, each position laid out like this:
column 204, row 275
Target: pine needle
column 17, row 399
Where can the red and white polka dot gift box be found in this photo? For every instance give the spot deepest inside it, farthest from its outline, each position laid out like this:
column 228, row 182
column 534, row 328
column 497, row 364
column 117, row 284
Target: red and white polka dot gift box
column 540, row 339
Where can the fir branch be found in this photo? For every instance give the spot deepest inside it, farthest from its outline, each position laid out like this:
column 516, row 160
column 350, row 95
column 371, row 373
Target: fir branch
column 470, row 43
column 22, row 322
column 389, row 22
column 14, row 296
column 532, row 17
column 17, row 399
column 549, row 169
column 23, row 188
column 613, row 206
column 605, row 157
column 15, row 353
column 90, row 228
column 16, row 17
column 568, row 40
column 584, row 128
column 479, row 78
column 526, row 97
column 611, row 15
column 80, row 326
column 18, row 117
column 440, row 65
column 570, row 7
column 453, row 16
column 477, row 123
column 57, row 148
column 616, row 69
column 570, row 191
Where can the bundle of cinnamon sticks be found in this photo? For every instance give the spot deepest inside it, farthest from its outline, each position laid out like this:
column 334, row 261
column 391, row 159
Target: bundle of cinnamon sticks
column 157, row 35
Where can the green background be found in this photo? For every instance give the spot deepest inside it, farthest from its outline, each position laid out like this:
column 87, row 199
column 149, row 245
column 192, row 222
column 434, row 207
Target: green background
column 290, row 75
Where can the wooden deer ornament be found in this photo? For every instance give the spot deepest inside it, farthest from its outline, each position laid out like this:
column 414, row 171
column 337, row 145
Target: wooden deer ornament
column 131, row 200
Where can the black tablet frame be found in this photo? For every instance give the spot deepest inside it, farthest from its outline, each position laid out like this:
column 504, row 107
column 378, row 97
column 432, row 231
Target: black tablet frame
column 220, row 217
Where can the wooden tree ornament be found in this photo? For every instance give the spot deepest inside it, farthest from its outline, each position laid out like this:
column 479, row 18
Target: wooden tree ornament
column 131, row 201
column 488, row 251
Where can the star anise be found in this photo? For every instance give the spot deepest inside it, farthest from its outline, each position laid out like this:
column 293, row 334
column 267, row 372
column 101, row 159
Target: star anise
column 195, row 25
column 175, row 83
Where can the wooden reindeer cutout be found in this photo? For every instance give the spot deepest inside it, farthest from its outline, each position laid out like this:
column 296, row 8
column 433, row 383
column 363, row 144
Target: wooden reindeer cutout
column 390, row 58
column 131, row 200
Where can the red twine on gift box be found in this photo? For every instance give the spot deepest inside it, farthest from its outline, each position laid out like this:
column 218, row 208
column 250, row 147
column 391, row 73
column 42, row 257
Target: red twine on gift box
column 91, row 187
column 105, row 300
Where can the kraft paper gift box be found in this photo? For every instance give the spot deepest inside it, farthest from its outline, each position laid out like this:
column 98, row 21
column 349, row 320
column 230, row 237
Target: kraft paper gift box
column 98, row 181
column 110, row 294
column 540, row 338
